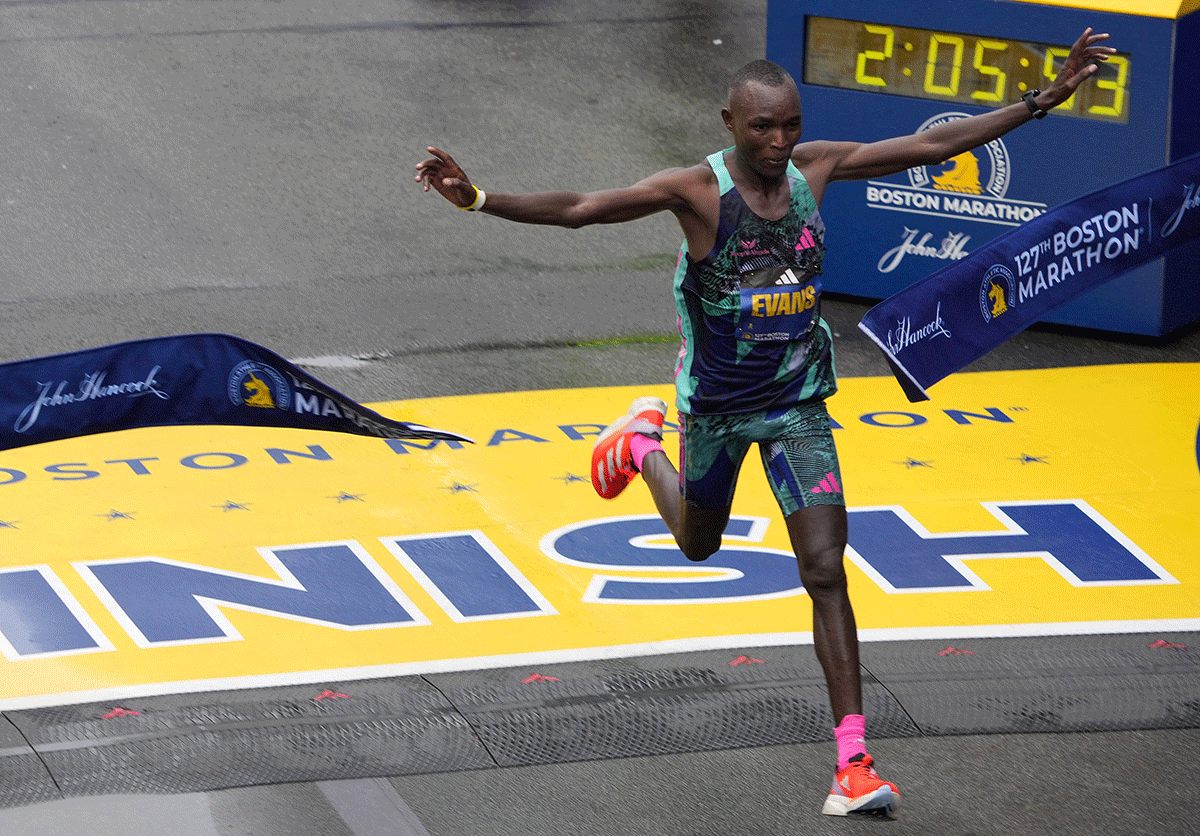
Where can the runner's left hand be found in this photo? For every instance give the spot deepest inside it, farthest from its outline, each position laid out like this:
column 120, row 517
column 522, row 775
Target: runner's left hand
column 1079, row 65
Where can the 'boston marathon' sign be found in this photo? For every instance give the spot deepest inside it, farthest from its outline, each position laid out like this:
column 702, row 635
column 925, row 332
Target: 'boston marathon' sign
column 952, row 318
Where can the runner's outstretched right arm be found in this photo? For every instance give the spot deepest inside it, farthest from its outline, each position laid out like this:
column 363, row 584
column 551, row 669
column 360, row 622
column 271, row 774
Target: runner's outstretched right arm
column 657, row 193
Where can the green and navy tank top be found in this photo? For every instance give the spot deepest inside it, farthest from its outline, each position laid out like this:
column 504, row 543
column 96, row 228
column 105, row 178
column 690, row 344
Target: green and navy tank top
column 749, row 311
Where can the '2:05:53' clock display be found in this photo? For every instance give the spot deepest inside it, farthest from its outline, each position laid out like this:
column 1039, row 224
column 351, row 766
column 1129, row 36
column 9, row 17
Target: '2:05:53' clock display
column 954, row 67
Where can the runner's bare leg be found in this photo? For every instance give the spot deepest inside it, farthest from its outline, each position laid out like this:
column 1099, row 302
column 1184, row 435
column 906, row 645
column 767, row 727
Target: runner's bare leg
column 697, row 530
column 819, row 539
column 818, row 536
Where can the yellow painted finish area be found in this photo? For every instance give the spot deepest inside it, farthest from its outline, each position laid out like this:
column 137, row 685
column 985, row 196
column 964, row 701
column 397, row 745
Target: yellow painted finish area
column 1147, row 8
column 1118, row 441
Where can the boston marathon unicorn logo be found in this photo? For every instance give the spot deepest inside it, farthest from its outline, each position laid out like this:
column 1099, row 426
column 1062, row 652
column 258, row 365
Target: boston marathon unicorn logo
column 259, row 392
column 258, row 385
column 961, row 176
column 997, row 292
column 986, row 175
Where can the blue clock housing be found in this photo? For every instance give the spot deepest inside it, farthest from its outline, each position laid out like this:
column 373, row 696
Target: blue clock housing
column 917, row 64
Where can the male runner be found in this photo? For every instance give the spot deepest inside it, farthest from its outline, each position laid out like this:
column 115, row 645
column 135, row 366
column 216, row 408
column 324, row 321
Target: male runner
column 756, row 363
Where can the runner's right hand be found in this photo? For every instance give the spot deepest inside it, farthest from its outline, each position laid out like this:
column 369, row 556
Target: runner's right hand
column 444, row 176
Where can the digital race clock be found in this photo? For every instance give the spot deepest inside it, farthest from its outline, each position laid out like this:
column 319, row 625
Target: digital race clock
column 874, row 69
column 953, row 67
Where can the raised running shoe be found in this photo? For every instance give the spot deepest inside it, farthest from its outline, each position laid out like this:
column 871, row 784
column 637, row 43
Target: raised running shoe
column 612, row 459
column 858, row 789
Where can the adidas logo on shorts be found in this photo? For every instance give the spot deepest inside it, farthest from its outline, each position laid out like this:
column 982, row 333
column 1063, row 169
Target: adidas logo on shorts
column 828, row 484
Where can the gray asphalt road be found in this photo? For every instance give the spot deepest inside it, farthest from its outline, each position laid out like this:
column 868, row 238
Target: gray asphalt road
column 245, row 166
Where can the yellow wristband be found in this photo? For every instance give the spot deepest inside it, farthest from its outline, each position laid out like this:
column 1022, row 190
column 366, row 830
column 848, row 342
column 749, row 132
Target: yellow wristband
column 480, row 197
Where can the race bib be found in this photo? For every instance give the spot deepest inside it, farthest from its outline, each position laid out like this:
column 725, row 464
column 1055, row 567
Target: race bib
column 779, row 312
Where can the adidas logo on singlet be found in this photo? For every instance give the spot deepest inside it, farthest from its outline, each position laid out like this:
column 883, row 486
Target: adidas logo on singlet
column 806, row 240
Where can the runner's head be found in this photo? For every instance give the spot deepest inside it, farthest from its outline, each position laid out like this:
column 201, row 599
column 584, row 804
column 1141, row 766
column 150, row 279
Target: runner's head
column 763, row 115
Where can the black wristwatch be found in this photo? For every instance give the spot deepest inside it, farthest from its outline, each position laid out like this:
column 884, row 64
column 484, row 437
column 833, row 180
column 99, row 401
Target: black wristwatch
column 1028, row 97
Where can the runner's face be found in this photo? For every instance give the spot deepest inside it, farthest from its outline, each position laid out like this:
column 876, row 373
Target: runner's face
column 765, row 122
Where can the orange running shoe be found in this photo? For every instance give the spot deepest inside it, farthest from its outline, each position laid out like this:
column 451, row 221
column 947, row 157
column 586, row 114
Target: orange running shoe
column 857, row 789
column 612, row 460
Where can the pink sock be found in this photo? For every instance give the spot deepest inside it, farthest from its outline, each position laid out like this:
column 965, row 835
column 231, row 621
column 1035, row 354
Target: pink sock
column 640, row 445
column 850, row 738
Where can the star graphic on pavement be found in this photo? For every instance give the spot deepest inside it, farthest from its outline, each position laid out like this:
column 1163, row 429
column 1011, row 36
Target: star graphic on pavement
column 569, row 478
column 347, row 497
column 230, row 505
column 116, row 515
column 911, row 463
column 1024, row 458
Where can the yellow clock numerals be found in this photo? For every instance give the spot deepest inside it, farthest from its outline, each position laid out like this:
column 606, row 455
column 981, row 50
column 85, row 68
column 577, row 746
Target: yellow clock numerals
column 989, row 71
column 860, row 68
column 1050, row 68
column 997, row 93
column 936, row 42
column 1116, row 85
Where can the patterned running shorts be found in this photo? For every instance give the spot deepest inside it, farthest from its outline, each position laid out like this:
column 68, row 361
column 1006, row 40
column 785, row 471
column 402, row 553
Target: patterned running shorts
column 797, row 450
